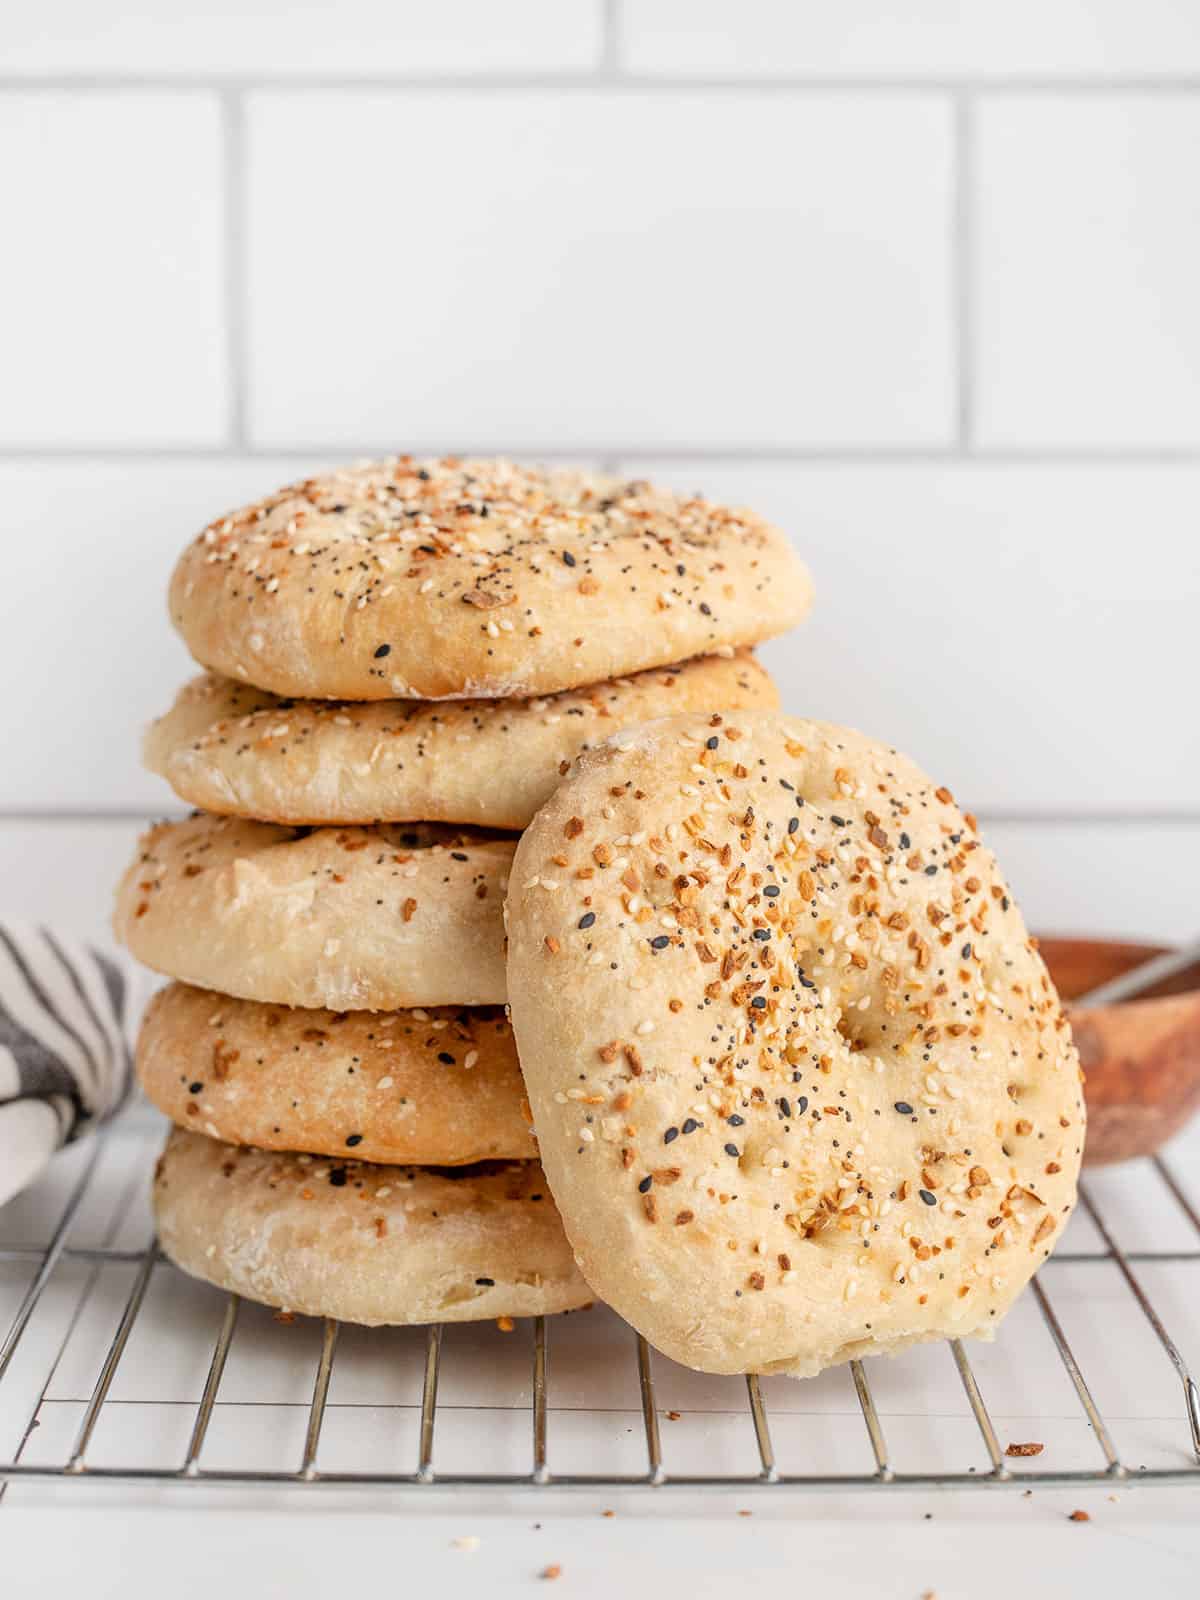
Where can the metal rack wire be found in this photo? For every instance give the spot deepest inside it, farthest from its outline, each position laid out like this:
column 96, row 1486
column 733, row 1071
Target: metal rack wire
column 540, row 1476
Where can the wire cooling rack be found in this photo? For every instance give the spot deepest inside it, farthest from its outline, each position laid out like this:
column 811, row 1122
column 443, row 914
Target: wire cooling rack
column 29, row 1359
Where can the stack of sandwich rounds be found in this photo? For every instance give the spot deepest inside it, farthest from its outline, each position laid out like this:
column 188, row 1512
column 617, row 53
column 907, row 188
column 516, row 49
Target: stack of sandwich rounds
column 402, row 662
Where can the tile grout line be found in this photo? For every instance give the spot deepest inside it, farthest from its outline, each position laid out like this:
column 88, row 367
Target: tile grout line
column 866, row 455
column 611, row 53
column 608, row 75
column 233, row 117
column 964, row 280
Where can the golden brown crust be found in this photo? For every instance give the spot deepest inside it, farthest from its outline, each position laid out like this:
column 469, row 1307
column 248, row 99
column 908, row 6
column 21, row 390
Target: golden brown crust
column 238, row 751
column 449, row 579
column 356, row 919
column 367, row 1244
column 438, row 1087
column 813, row 1096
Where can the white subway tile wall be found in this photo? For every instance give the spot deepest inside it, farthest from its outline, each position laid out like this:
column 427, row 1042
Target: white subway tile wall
column 88, row 550
column 1088, row 249
column 232, row 39
column 113, row 316
column 917, row 282
column 651, row 268
column 924, row 39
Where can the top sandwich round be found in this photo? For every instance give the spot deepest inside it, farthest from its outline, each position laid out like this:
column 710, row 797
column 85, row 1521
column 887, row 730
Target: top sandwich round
column 431, row 580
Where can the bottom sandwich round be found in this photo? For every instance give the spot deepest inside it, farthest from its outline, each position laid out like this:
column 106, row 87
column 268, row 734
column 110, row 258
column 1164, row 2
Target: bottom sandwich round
column 368, row 1244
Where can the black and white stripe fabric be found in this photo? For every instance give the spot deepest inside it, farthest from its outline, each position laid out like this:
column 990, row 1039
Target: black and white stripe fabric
column 64, row 1046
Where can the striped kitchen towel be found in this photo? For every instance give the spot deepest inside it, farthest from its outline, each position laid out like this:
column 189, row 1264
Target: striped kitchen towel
column 64, row 1046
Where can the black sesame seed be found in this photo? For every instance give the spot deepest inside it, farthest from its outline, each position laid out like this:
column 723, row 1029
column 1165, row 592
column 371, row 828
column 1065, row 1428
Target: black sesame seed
column 762, row 933
column 732, row 1150
column 485, row 1283
column 735, row 1121
column 644, row 1186
column 568, row 558
column 905, row 842
column 802, row 1105
column 784, row 784
column 690, row 1125
column 793, row 824
column 587, row 919
column 670, row 1136
column 838, row 822
column 446, row 1057
column 660, row 943
column 966, row 951
column 1004, row 902
column 759, row 1003
column 903, row 1107
column 771, row 890
column 785, row 1105
column 706, row 608
column 929, row 871
column 929, row 1199
column 382, row 650
column 353, row 1138
column 711, row 744
column 338, row 1177
column 195, row 1088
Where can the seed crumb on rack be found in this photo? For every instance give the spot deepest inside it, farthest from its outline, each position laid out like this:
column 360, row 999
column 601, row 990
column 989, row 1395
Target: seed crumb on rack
column 1030, row 1449
column 465, row 1541
column 1080, row 1516
column 554, row 1570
